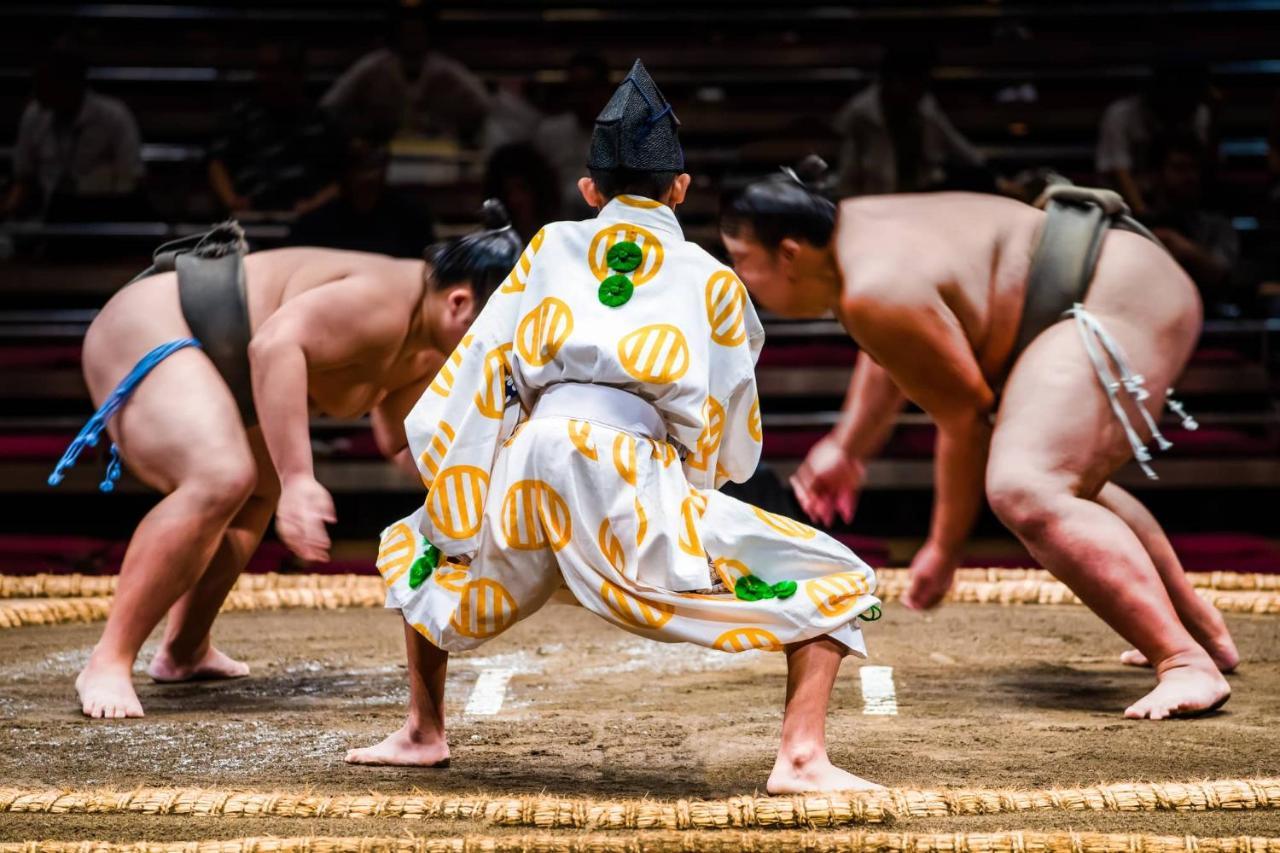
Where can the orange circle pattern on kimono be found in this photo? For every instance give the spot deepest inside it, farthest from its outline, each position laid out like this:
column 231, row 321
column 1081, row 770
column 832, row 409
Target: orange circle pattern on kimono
column 492, row 397
column 642, row 523
column 624, row 457
column 754, row 426
column 835, row 595
column 657, row 353
column 730, row 571
column 745, row 639
column 785, row 526
column 712, row 434
column 726, row 309
column 633, row 611
column 534, row 517
column 611, row 547
column 543, row 331
column 580, row 435
column 395, row 554
column 650, row 247
column 519, row 276
column 453, row 577
column 690, row 542
column 485, row 610
column 443, row 383
column 434, row 454
column 456, row 500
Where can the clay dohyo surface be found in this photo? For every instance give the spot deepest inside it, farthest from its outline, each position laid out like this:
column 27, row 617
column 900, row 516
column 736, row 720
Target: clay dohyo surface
column 986, row 696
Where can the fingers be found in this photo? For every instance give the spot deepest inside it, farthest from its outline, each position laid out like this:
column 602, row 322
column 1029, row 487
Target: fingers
column 309, row 541
column 846, row 502
column 802, row 495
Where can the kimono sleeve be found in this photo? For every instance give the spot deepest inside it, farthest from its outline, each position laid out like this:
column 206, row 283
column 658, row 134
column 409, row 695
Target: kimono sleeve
column 458, row 424
column 731, row 441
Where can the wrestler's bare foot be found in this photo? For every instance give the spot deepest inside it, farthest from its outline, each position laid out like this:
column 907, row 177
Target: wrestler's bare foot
column 1189, row 685
column 799, row 772
column 106, row 690
column 1220, row 647
column 408, row 747
column 209, row 665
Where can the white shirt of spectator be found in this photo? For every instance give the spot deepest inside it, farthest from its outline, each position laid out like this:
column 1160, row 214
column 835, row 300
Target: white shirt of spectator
column 1127, row 131
column 868, row 162
column 99, row 153
column 374, row 93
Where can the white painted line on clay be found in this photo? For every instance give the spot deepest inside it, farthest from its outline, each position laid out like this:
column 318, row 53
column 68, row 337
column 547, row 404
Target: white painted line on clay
column 490, row 690
column 879, row 696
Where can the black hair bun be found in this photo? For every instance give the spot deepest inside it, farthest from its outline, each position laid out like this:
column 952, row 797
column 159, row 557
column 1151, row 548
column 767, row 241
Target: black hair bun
column 494, row 215
column 812, row 171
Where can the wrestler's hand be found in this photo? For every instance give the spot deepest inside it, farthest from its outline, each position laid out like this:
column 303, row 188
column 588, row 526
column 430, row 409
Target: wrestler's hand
column 932, row 571
column 828, row 482
column 304, row 509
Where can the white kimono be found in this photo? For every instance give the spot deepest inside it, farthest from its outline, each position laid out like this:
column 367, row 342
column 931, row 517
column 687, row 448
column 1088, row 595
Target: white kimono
column 621, row 506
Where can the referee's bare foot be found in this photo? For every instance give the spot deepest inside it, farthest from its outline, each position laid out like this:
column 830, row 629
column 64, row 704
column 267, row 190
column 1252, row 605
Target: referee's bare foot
column 799, row 773
column 407, row 747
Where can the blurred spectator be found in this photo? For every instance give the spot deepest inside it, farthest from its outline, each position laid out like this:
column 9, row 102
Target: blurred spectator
column 1203, row 241
column 895, row 137
column 519, row 177
column 565, row 137
column 1174, row 102
column 367, row 215
column 78, row 153
column 278, row 151
column 408, row 86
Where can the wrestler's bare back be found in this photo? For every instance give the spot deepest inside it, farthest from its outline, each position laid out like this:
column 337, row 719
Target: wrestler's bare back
column 147, row 313
column 967, row 257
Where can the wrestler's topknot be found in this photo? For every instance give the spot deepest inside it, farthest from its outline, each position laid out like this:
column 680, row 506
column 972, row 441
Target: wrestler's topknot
column 484, row 258
column 790, row 203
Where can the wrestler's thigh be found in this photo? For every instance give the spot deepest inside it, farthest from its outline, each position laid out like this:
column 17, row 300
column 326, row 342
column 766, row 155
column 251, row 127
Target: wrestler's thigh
column 1055, row 426
column 182, row 423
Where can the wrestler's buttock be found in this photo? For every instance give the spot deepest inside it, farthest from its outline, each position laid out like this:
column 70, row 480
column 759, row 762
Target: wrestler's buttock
column 138, row 318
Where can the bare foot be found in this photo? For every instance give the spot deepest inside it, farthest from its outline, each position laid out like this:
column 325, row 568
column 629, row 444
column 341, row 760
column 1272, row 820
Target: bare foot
column 106, row 691
column 1187, row 688
column 798, row 775
column 405, row 747
column 212, row 665
column 1221, row 648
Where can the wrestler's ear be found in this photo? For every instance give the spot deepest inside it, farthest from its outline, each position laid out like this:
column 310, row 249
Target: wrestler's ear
column 788, row 249
column 590, row 194
column 460, row 303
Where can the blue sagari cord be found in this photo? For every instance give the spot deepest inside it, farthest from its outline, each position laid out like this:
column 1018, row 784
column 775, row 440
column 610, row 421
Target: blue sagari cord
column 92, row 430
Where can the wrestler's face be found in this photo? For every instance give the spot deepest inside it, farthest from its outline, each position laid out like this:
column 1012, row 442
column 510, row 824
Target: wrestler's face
column 778, row 279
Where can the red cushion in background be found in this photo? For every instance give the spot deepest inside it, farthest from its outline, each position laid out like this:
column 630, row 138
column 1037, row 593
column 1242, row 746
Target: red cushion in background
column 870, row 549
column 46, row 356
column 18, row 447
column 821, row 353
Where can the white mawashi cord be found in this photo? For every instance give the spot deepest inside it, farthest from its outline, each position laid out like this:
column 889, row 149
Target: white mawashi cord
column 1092, row 334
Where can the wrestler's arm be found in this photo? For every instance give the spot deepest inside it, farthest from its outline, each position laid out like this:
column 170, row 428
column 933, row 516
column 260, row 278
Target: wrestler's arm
column 340, row 324
column 387, row 420
column 870, row 410
column 922, row 347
